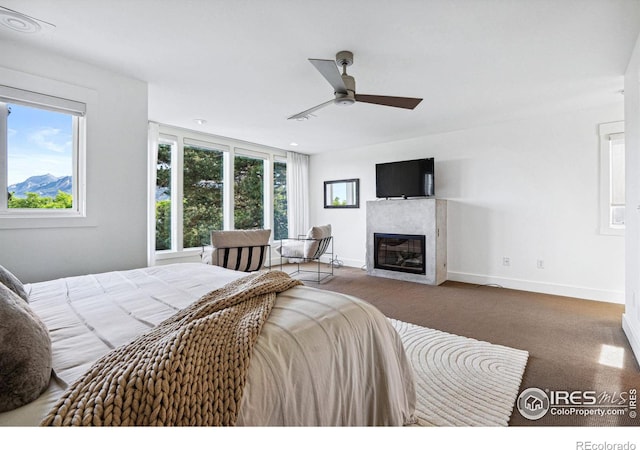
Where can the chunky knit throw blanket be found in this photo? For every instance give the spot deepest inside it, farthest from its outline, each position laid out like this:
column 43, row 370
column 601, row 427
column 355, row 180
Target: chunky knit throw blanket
column 189, row 370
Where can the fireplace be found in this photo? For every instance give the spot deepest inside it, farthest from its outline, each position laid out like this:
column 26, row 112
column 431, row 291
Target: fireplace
column 424, row 220
column 399, row 252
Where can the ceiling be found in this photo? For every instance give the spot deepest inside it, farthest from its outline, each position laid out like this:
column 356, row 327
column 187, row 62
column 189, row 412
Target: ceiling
column 242, row 64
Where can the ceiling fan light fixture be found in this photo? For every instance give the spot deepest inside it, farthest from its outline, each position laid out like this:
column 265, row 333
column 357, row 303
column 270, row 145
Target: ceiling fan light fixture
column 344, row 101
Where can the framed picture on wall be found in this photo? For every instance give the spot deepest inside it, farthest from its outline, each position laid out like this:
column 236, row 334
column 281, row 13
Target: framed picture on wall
column 342, row 193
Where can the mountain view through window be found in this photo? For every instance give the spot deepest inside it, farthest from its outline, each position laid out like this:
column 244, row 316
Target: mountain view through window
column 39, row 158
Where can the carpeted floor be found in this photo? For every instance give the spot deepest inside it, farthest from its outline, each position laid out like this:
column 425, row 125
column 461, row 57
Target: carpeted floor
column 573, row 344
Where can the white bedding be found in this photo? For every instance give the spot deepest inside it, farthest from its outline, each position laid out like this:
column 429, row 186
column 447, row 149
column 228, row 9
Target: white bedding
column 322, row 358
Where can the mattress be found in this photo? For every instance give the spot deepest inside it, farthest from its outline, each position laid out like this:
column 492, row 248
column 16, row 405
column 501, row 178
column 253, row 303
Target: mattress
column 322, row 358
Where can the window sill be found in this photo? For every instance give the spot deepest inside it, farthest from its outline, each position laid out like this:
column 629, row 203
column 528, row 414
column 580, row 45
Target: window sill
column 39, row 221
column 162, row 257
column 607, row 231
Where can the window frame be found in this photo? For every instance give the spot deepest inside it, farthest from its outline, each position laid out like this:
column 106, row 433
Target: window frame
column 172, row 141
column 203, row 146
column 42, row 93
column 267, row 195
column 606, row 131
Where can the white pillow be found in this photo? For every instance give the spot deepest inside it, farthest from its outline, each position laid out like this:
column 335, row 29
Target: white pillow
column 291, row 248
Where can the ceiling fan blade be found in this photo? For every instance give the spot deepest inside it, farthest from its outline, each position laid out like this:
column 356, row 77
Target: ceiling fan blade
column 398, row 102
column 306, row 113
column 330, row 72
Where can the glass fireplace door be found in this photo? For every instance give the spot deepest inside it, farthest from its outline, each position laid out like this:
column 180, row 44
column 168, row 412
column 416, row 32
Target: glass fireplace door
column 399, row 252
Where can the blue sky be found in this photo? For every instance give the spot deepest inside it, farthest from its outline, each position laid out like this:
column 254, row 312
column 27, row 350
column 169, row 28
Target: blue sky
column 40, row 142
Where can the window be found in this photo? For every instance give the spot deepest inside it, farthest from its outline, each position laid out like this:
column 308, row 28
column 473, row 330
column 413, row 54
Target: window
column 280, row 218
column 248, row 181
column 205, row 183
column 616, row 170
column 203, row 188
column 612, row 178
column 166, row 148
column 41, row 149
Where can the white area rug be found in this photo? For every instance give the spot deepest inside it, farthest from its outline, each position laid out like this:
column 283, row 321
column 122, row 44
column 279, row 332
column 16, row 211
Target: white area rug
column 461, row 381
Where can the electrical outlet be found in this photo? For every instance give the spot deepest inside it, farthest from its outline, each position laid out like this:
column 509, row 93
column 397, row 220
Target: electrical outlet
column 540, row 264
column 506, row 261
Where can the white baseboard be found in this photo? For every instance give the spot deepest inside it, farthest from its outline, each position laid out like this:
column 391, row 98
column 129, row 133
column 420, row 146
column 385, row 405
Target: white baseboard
column 544, row 288
column 521, row 285
column 344, row 262
column 632, row 336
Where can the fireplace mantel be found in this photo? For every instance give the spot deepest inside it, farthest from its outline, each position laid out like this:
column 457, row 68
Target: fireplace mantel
column 419, row 216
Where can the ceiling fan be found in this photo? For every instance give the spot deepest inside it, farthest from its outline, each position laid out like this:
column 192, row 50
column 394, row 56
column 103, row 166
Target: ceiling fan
column 344, row 87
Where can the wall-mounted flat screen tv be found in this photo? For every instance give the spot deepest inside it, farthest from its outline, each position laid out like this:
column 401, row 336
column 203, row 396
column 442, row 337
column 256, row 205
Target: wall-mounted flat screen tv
column 413, row 178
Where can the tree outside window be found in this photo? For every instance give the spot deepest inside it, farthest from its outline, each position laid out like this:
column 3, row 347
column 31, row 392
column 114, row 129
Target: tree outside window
column 280, row 218
column 191, row 190
column 163, row 197
column 203, row 184
column 248, row 211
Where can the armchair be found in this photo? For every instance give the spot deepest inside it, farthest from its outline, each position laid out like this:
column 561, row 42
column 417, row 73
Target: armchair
column 242, row 250
column 303, row 249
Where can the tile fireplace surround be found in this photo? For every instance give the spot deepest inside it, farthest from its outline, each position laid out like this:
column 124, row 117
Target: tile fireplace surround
column 419, row 216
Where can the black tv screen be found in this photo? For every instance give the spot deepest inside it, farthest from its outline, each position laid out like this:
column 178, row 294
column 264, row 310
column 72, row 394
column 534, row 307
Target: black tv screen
column 414, row 178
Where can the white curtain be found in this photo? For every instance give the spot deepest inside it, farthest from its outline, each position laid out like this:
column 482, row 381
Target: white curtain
column 297, row 193
column 152, row 156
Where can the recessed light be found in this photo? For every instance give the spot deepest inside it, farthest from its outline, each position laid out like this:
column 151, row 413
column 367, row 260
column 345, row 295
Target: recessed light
column 200, row 121
column 293, row 144
column 21, row 22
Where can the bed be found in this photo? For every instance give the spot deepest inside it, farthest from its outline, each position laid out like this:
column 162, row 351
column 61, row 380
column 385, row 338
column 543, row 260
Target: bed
column 321, row 358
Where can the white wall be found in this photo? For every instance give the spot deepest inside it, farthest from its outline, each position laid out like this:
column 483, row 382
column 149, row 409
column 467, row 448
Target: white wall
column 526, row 189
column 631, row 318
column 114, row 234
